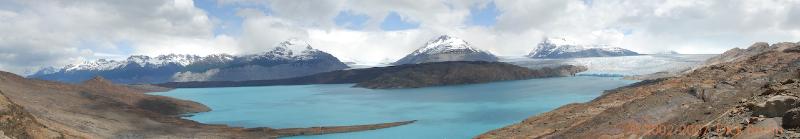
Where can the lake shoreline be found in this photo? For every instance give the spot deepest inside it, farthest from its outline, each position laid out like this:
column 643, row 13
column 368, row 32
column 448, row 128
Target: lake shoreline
column 452, row 100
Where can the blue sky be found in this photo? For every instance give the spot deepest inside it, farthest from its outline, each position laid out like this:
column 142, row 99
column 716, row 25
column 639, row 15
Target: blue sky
column 351, row 20
column 394, row 21
column 227, row 22
column 225, row 15
column 483, row 15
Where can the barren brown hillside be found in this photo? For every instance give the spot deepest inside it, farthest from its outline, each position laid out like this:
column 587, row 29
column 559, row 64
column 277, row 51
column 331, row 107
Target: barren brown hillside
column 99, row 109
column 753, row 94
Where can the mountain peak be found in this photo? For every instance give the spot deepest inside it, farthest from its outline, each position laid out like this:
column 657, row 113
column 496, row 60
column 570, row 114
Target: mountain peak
column 292, row 48
column 295, row 45
column 558, row 41
column 444, row 43
column 444, row 37
column 552, row 47
column 446, row 48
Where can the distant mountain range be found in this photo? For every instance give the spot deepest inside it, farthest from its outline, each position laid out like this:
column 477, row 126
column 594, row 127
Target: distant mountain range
column 563, row 48
column 288, row 59
column 446, row 48
column 291, row 58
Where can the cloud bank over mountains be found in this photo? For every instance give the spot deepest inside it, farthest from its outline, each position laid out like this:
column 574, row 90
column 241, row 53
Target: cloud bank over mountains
column 36, row 33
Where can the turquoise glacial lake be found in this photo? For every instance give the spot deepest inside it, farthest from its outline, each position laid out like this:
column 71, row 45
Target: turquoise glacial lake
column 448, row 112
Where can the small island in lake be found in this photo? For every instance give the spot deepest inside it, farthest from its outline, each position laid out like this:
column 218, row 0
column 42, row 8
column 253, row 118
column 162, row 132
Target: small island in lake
column 407, row 76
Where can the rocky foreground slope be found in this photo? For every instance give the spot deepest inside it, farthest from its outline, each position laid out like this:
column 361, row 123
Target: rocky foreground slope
column 407, row 76
column 99, row 109
column 744, row 93
column 17, row 123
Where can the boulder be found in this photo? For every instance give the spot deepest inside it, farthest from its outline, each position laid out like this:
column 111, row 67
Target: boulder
column 791, row 119
column 761, row 130
column 792, row 50
column 775, row 106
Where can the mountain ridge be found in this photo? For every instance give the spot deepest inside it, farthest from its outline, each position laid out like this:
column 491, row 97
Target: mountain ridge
column 563, row 48
column 281, row 61
column 446, row 48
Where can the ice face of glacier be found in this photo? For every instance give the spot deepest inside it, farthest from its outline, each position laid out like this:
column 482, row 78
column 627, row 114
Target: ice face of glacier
column 563, row 48
column 446, row 48
column 618, row 66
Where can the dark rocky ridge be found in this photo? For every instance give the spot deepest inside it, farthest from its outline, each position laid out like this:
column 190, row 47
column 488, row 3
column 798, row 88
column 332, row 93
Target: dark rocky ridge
column 454, row 73
column 426, row 74
column 747, row 91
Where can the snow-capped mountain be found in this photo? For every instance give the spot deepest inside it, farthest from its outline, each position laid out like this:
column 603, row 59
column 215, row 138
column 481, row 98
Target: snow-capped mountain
column 290, row 58
column 563, row 48
column 287, row 50
column 446, row 48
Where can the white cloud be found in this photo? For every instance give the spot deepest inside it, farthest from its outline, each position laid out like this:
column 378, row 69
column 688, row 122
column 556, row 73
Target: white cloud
column 368, row 47
column 260, row 33
column 38, row 33
column 307, row 12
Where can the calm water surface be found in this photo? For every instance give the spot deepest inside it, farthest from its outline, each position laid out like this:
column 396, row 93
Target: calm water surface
column 442, row 112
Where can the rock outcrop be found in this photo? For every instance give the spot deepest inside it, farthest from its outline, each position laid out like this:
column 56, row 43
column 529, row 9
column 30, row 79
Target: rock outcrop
column 720, row 100
column 791, row 119
column 775, row 106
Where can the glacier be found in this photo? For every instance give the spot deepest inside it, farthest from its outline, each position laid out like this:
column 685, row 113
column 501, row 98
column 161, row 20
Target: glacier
column 619, row 66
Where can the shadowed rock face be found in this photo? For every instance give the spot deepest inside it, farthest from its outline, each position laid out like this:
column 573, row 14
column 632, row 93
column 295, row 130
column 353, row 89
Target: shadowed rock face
column 791, row 119
column 407, row 76
column 750, row 90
